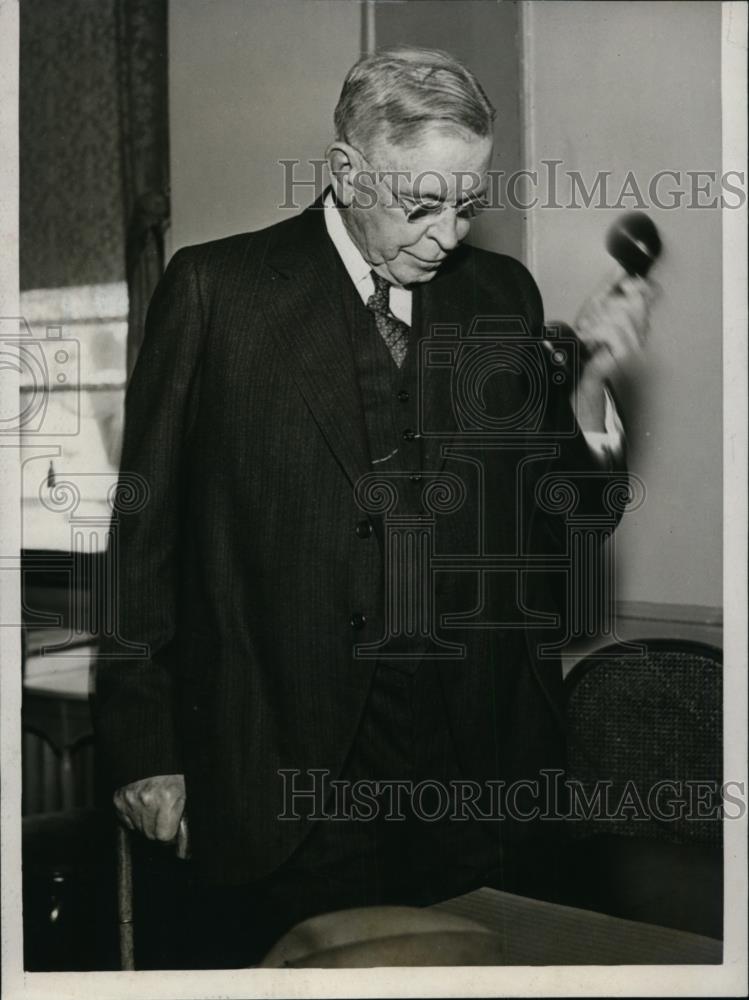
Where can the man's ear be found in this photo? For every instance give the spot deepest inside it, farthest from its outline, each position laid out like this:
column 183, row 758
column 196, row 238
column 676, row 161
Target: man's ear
column 343, row 162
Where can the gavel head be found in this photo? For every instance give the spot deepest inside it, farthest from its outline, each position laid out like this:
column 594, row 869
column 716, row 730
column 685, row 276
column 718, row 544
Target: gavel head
column 634, row 242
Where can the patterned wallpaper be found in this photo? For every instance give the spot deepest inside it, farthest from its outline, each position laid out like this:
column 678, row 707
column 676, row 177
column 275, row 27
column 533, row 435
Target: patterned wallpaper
column 71, row 215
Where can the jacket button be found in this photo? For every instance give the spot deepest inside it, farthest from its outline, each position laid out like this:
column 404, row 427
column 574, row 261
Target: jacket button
column 404, row 395
column 363, row 529
column 408, row 434
column 358, row 620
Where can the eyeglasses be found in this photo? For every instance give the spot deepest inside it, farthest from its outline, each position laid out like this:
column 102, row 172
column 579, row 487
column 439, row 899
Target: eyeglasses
column 430, row 207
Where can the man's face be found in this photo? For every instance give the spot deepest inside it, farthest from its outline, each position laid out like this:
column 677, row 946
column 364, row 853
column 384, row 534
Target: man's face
column 407, row 222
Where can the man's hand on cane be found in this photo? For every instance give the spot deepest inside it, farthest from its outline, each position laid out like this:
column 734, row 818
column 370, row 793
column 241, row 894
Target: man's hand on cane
column 155, row 807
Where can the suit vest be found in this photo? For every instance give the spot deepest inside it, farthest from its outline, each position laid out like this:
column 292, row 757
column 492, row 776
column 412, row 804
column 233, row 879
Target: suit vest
column 389, row 398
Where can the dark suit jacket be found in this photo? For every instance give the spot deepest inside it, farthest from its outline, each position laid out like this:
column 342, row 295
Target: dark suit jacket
column 240, row 566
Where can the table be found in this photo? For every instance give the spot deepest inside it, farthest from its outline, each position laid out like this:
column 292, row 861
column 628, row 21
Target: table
column 540, row 933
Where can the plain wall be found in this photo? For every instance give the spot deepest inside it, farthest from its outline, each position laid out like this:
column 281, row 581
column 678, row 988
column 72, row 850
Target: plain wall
column 485, row 36
column 255, row 82
column 619, row 86
column 250, row 84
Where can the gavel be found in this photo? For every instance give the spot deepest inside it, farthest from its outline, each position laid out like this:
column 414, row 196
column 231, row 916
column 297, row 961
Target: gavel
column 635, row 243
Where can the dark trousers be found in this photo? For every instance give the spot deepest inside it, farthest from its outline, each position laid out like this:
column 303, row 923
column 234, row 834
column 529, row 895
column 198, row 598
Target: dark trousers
column 407, row 854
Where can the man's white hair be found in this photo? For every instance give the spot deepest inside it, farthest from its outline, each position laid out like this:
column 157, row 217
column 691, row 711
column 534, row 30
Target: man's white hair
column 398, row 92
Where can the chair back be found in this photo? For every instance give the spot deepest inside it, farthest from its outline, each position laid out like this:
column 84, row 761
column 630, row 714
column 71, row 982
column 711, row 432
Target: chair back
column 645, row 737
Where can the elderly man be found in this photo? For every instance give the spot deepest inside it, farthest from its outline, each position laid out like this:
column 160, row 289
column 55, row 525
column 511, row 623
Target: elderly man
column 304, row 460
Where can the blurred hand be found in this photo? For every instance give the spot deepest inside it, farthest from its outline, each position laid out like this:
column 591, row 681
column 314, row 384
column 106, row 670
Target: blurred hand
column 613, row 325
column 154, row 807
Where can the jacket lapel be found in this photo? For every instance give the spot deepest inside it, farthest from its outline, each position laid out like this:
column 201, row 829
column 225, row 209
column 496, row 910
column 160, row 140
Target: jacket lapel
column 303, row 308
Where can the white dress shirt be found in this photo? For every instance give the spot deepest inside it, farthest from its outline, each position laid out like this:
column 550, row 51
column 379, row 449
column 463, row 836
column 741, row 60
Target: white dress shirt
column 604, row 444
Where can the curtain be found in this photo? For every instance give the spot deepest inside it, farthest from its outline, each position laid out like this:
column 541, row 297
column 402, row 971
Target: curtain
column 71, row 226
column 144, row 147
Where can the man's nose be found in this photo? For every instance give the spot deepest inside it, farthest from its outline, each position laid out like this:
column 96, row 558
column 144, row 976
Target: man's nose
column 448, row 230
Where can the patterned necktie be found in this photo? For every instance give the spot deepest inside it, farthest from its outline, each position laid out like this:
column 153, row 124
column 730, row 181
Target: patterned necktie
column 392, row 331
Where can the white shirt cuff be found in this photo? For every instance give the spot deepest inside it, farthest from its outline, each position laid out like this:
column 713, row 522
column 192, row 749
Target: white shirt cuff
column 607, row 445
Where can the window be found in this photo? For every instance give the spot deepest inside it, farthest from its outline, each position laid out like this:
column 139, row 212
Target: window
column 72, row 356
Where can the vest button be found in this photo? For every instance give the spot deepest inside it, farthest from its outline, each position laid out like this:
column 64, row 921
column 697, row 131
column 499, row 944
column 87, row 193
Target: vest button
column 358, row 620
column 363, row 529
column 404, row 396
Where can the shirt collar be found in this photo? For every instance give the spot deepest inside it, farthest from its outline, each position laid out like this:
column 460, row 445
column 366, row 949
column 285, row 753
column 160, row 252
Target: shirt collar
column 358, row 269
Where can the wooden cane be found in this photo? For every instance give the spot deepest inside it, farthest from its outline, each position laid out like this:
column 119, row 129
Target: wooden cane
column 125, row 899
